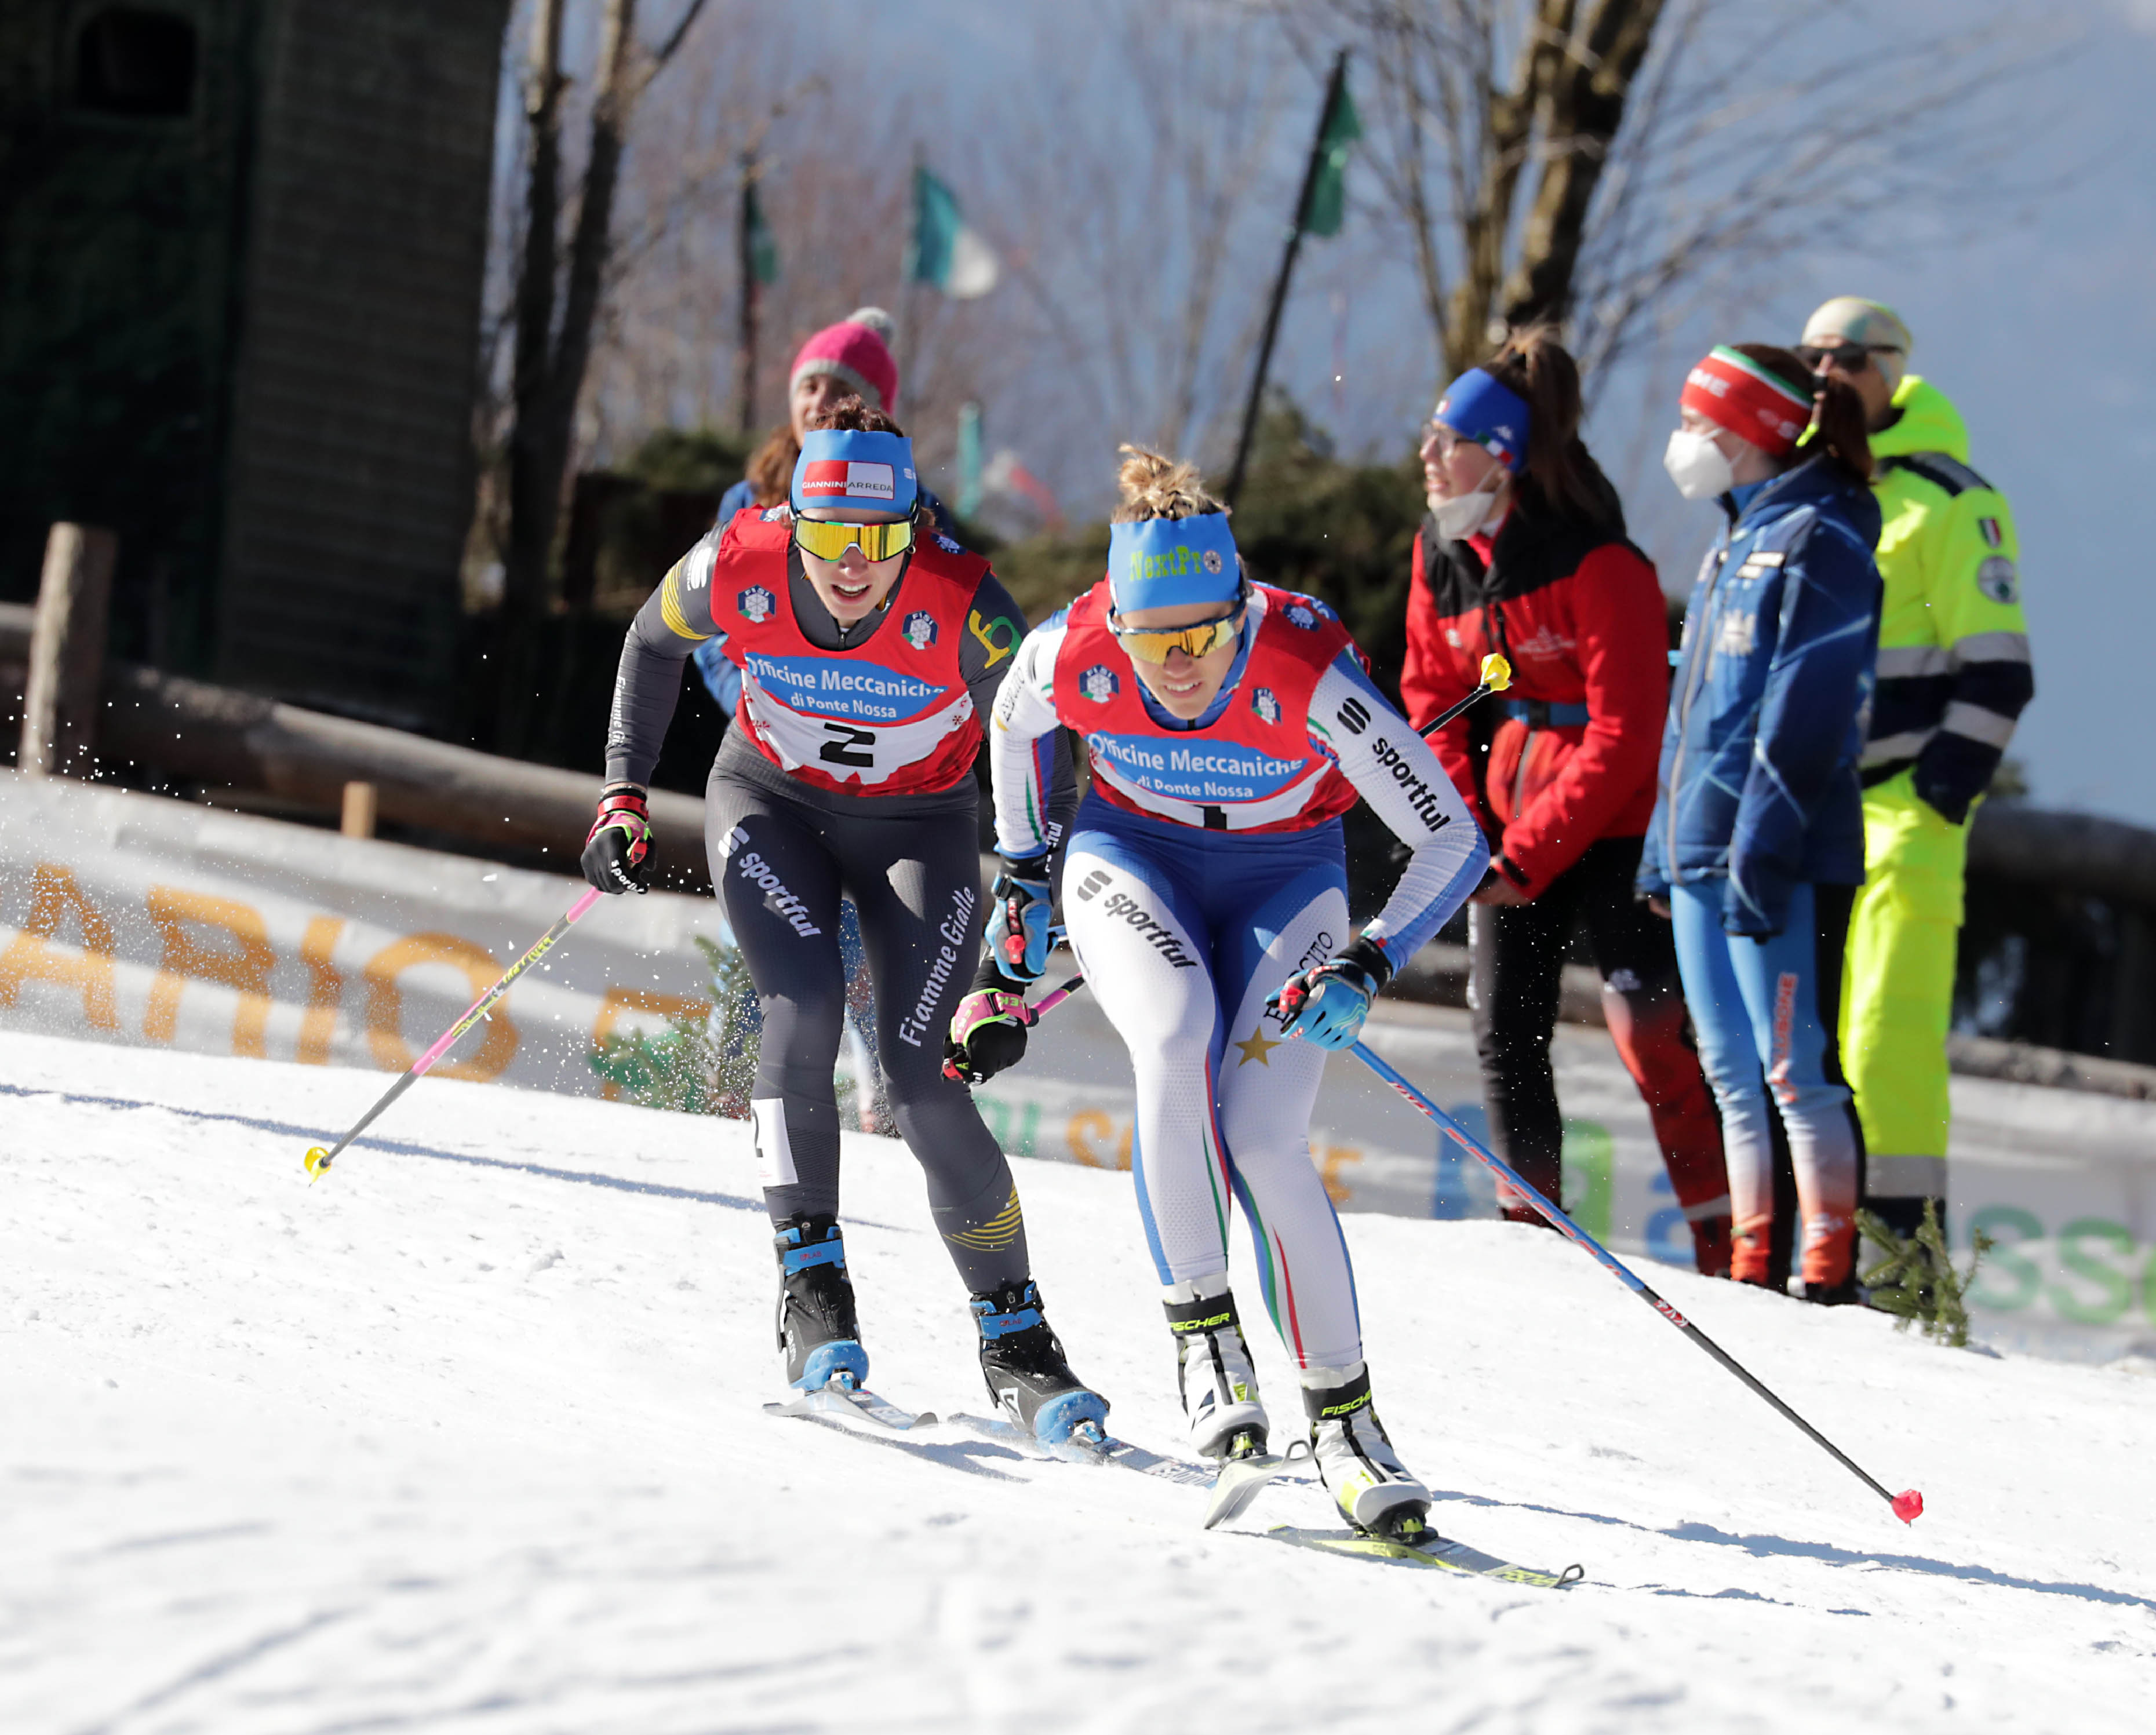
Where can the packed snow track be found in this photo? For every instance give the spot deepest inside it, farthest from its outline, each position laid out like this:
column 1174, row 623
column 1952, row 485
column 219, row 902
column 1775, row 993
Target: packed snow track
column 470, row 1436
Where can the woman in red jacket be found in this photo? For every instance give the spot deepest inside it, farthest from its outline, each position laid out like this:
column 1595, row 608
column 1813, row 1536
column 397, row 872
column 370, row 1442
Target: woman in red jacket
column 1524, row 553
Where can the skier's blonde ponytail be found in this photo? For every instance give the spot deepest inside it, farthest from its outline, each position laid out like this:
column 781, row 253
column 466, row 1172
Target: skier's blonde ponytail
column 1150, row 485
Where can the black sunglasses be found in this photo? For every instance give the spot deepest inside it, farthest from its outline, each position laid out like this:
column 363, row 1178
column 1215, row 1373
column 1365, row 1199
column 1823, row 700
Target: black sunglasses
column 1849, row 358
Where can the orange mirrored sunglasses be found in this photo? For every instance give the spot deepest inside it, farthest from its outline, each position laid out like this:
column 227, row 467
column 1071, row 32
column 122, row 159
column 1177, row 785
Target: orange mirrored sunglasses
column 1153, row 645
column 827, row 541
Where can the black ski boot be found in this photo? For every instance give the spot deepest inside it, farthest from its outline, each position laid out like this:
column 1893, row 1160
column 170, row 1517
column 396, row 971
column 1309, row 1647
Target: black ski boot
column 817, row 1330
column 1028, row 1378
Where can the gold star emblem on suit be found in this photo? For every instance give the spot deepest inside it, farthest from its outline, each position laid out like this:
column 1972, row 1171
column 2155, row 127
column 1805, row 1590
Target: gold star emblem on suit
column 1256, row 1048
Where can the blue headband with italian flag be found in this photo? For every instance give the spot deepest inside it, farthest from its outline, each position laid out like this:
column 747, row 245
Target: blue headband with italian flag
column 1479, row 406
column 854, row 472
column 1173, row 563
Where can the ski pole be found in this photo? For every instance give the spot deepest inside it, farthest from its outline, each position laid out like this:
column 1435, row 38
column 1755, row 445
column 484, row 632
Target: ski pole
column 1908, row 1506
column 319, row 1159
column 1055, row 997
column 1497, row 676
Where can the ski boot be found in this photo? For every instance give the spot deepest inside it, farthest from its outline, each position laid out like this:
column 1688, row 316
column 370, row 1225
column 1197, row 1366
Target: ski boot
column 1829, row 1268
column 818, row 1333
column 1751, row 1252
column 1370, row 1485
column 1214, row 1373
column 1027, row 1376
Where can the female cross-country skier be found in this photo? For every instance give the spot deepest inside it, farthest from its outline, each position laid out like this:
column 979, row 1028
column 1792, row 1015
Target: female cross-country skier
column 1229, row 725
column 869, row 646
column 1755, row 848
column 1524, row 553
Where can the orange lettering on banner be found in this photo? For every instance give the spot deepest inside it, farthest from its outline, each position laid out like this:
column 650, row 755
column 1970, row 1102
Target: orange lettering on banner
column 618, row 1000
column 325, row 989
column 1086, row 1125
column 1089, row 1124
column 247, row 969
column 1330, row 1159
column 28, row 958
column 385, row 1005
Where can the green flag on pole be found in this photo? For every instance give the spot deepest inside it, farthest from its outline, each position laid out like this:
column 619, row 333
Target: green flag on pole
column 944, row 251
column 763, row 246
column 1336, row 134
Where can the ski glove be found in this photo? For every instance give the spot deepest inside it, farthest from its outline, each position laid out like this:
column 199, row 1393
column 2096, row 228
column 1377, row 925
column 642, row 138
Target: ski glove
column 1018, row 933
column 1328, row 1005
column 988, row 1032
column 616, row 855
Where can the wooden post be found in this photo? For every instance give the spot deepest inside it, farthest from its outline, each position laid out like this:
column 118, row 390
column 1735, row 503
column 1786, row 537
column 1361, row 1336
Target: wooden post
column 67, row 654
column 359, row 803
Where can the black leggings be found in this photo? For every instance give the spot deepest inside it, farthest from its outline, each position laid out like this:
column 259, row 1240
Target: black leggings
column 1517, row 974
column 780, row 863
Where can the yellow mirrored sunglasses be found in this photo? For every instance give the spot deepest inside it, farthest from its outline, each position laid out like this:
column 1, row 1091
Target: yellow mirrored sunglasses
column 1152, row 644
column 826, row 541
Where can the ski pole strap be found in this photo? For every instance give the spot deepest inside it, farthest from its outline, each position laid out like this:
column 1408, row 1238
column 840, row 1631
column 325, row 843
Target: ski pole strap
column 1616, row 1267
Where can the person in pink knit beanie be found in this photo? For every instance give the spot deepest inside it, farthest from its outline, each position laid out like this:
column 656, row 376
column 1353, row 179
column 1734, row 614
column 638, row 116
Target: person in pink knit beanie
column 851, row 359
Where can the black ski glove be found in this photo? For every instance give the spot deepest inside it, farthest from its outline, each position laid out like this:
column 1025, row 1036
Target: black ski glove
column 988, row 1032
column 616, row 855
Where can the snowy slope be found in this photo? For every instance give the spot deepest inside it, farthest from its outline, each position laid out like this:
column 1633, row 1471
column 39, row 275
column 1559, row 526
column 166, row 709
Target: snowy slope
column 469, row 1437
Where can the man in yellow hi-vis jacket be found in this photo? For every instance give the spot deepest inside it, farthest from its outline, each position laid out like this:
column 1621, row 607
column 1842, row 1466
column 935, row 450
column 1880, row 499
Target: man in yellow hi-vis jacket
column 1954, row 675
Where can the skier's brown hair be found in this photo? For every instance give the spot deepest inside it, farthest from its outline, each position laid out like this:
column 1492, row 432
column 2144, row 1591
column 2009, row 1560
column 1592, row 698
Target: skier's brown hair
column 1533, row 363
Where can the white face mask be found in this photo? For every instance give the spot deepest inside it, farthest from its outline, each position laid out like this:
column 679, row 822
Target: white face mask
column 1699, row 468
column 1465, row 514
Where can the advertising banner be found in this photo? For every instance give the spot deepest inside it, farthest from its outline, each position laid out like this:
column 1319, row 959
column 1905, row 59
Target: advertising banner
column 143, row 921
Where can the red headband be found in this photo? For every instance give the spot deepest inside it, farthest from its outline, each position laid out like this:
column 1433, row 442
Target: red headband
column 1732, row 391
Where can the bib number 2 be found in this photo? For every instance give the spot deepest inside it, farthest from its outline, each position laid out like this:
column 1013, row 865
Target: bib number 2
column 848, row 747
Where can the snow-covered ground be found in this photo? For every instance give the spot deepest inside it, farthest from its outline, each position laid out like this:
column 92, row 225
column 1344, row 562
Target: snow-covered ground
column 469, row 1437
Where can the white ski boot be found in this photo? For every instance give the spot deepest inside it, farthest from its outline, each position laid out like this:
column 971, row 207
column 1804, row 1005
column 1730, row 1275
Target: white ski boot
column 1372, row 1488
column 1213, row 1371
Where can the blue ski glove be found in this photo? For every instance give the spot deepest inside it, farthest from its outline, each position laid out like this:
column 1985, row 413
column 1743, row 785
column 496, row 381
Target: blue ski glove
column 1018, row 925
column 988, row 1032
column 1328, row 1005
column 617, row 855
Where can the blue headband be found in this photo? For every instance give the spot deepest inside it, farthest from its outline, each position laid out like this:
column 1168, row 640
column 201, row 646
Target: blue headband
column 1173, row 563
column 1479, row 406
column 857, row 472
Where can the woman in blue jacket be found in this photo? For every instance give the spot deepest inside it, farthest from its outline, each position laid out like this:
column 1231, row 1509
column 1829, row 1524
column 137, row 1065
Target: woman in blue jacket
column 1755, row 848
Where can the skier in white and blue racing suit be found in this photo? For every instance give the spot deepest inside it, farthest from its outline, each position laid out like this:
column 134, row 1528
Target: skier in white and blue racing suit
column 1228, row 725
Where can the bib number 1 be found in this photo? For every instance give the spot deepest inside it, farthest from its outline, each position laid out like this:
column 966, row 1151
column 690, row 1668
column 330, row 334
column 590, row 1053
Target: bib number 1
column 848, row 747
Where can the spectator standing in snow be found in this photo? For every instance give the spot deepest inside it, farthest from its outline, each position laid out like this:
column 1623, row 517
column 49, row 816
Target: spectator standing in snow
column 1524, row 553
column 1756, row 847
column 1954, row 675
